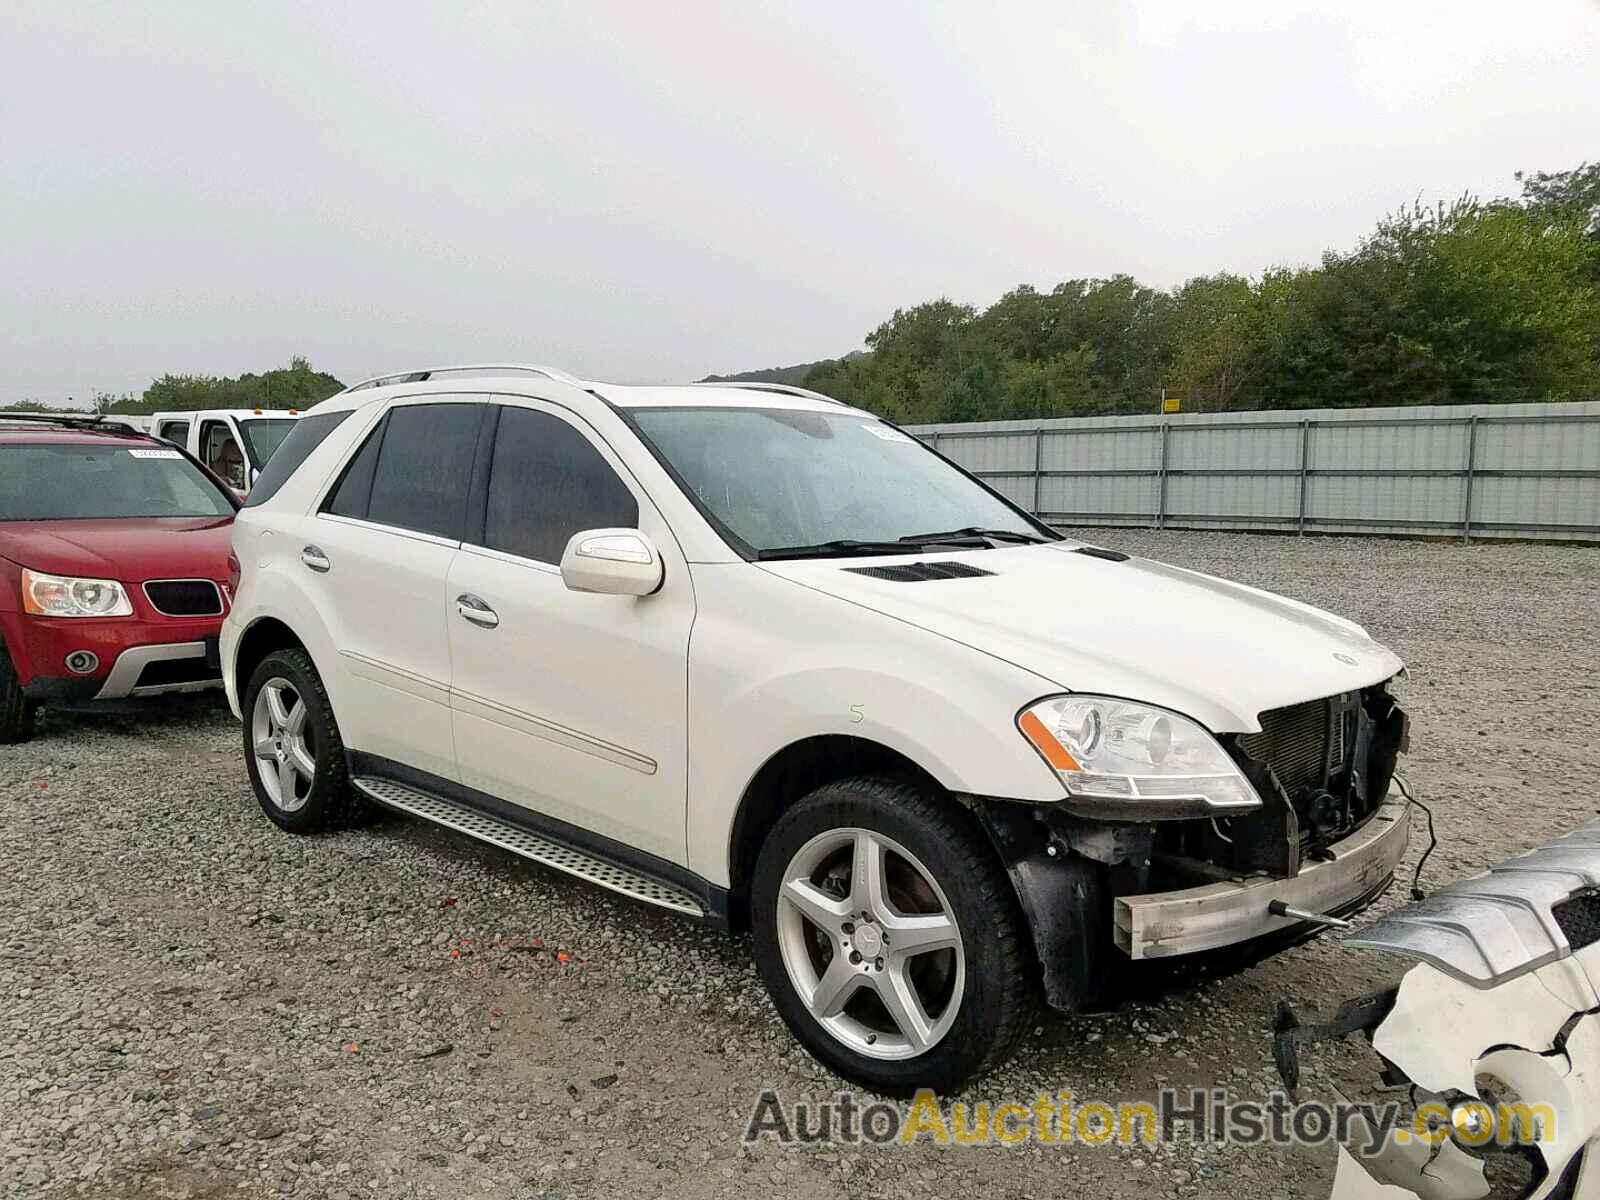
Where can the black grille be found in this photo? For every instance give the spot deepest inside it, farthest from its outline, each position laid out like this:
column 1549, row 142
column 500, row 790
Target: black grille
column 1293, row 741
column 184, row 597
column 922, row 572
column 1579, row 919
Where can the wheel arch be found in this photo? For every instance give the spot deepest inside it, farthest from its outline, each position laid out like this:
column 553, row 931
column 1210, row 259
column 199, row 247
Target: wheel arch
column 792, row 773
column 261, row 638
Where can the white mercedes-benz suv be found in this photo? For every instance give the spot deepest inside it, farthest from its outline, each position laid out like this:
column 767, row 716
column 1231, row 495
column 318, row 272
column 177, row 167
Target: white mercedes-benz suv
column 745, row 653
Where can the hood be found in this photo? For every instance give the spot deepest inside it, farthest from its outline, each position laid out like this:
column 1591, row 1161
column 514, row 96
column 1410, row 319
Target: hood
column 1216, row 651
column 130, row 551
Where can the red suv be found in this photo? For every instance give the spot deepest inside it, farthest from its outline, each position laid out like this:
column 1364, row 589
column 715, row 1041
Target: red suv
column 113, row 567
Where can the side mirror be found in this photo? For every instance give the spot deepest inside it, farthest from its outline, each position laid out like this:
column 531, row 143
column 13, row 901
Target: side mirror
column 613, row 562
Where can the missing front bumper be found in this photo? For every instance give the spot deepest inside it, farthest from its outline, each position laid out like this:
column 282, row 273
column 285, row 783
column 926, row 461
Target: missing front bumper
column 1165, row 924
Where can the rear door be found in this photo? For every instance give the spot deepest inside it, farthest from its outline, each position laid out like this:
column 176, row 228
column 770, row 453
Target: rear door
column 568, row 703
column 380, row 550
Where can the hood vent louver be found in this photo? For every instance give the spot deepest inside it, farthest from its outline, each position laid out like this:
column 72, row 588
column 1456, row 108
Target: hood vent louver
column 922, row 572
column 1102, row 552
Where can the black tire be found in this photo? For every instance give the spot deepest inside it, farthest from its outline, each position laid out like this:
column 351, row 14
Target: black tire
column 330, row 802
column 16, row 712
column 1000, row 996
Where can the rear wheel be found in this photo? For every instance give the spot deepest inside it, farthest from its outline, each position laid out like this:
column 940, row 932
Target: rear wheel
column 16, row 713
column 889, row 936
column 292, row 746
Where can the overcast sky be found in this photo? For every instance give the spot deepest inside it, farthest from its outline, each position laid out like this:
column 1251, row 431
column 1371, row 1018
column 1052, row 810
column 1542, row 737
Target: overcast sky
column 657, row 191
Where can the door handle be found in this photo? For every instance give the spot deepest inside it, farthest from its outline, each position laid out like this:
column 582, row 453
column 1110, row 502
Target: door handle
column 475, row 610
column 315, row 559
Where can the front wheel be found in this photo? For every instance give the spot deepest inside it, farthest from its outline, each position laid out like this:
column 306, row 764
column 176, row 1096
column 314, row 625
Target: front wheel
column 890, row 938
column 16, row 713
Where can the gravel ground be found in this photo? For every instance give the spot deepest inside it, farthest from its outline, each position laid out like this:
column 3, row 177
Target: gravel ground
column 194, row 1004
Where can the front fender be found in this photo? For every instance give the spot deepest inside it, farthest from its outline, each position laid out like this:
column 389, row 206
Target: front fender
column 814, row 666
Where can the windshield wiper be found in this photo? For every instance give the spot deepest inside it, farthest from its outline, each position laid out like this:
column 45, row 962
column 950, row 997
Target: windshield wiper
column 838, row 548
column 973, row 532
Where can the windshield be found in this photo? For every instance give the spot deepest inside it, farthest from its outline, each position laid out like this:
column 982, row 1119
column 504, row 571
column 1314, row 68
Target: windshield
column 785, row 480
column 91, row 482
column 264, row 435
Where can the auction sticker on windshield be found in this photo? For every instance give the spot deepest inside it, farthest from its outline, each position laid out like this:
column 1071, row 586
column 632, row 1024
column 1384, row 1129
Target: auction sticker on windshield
column 884, row 433
column 155, row 453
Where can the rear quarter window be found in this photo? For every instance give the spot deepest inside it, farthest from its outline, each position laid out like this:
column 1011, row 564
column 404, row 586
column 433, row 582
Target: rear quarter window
column 308, row 433
column 414, row 470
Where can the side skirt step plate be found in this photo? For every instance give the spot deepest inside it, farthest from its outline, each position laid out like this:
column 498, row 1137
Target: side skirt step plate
column 520, row 841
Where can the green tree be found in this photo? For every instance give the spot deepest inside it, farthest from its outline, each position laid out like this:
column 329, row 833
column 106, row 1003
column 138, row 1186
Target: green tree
column 1574, row 193
column 294, row 386
column 1466, row 301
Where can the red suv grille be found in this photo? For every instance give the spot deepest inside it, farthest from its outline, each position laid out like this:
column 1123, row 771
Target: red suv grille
column 184, row 597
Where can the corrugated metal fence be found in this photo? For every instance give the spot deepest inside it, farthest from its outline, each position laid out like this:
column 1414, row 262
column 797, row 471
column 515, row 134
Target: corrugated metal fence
column 1489, row 470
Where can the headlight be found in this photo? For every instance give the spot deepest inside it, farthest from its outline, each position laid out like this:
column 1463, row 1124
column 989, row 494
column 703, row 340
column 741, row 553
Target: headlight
column 1132, row 760
column 63, row 596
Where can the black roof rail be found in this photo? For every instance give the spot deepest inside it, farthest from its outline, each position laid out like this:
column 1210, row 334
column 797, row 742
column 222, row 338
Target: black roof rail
column 90, row 421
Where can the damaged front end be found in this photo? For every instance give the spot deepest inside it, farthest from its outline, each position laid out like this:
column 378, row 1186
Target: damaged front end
column 1492, row 1037
column 1156, row 881
column 1326, row 839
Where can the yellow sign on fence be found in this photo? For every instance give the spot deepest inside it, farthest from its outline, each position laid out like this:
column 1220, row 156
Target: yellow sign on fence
column 1171, row 404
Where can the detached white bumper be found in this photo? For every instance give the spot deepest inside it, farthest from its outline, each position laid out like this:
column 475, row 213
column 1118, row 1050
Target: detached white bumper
column 1164, row 924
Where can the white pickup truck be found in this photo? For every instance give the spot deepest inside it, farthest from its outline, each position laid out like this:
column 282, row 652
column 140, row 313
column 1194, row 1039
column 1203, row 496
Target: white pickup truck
column 233, row 442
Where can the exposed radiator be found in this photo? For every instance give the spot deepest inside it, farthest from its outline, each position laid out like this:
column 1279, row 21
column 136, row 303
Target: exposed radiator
column 1293, row 741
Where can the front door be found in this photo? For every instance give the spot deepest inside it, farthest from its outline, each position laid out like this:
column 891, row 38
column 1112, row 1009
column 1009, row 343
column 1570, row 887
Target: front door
column 568, row 703
column 221, row 450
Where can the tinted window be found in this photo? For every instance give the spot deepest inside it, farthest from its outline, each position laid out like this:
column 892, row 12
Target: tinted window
column 85, row 481
column 424, row 467
column 175, row 431
column 263, row 435
column 350, row 493
column 305, row 436
column 546, row 483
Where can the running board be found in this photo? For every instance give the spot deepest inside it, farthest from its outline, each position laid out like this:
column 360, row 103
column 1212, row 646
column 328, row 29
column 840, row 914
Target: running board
column 508, row 836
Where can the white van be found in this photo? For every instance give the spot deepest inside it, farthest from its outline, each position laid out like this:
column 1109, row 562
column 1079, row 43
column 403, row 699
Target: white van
column 233, row 442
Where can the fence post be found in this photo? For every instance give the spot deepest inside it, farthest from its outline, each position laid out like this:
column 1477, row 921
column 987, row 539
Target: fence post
column 1305, row 462
column 1472, row 455
column 1161, row 480
column 1038, row 465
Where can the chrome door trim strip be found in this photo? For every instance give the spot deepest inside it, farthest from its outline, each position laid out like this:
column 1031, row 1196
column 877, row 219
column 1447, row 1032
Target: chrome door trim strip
column 511, row 559
column 415, row 535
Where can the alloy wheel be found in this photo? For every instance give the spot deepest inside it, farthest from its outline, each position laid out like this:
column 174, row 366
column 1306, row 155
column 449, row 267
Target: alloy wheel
column 283, row 744
column 870, row 943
